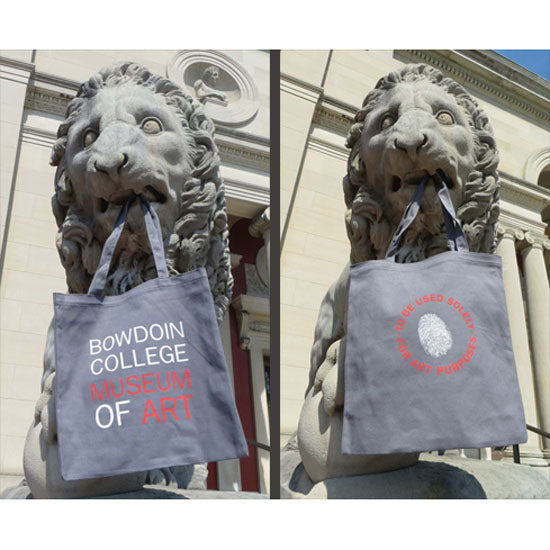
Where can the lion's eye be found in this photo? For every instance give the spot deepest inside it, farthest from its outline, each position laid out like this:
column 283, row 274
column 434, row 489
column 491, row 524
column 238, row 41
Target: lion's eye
column 444, row 117
column 386, row 122
column 151, row 126
column 89, row 137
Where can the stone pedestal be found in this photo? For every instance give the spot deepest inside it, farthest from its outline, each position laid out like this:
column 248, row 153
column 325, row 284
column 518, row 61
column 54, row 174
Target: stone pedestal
column 433, row 477
column 153, row 492
column 150, row 492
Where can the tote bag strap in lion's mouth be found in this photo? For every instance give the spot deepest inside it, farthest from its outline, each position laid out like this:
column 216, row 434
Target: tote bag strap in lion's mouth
column 452, row 226
column 154, row 233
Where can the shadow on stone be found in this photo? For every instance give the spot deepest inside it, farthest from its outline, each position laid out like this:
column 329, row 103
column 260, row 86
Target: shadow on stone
column 424, row 480
column 431, row 478
column 147, row 493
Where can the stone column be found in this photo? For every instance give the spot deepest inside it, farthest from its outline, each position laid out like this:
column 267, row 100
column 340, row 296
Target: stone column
column 506, row 249
column 260, row 228
column 229, row 471
column 253, row 323
column 261, row 412
column 538, row 306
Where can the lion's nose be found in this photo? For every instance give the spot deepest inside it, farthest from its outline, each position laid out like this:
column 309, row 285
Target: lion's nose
column 111, row 164
column 411, row 142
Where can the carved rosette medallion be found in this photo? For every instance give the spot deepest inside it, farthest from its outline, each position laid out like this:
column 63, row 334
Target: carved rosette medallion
column 230, row 99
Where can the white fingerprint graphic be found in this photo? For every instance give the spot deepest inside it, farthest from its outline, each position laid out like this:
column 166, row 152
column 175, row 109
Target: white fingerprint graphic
column 434, row 335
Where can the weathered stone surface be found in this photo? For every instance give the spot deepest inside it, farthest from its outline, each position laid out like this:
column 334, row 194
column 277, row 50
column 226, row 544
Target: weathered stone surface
column 149, row 492
column 42, row 466
column 415, row 122
column 127, row 132
column 20, row 491
column 431, row 478
column 321, row 443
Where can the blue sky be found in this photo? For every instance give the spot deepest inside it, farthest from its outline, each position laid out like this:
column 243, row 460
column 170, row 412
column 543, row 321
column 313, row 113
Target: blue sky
column 536, row 61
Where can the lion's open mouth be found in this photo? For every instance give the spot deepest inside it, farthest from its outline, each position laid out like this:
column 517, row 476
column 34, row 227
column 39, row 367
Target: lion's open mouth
column 119, row 198
column 154, row 195
column 416, row 177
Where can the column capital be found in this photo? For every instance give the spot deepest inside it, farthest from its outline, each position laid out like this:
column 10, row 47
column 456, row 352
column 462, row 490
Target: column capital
column 532, row 240
column 252, row 320
column 235, row 260
column 506, row 231
column 260, row 224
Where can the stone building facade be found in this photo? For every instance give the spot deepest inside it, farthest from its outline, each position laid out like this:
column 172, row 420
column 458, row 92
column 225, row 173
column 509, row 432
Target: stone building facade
column 320, row 93
column 36, row 87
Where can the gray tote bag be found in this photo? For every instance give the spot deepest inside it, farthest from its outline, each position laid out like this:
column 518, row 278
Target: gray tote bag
column 429, row 362
column 141, row 378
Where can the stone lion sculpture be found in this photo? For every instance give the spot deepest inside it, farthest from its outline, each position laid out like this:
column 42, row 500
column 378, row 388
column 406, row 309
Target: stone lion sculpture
column 127, row 132
column 416, row 122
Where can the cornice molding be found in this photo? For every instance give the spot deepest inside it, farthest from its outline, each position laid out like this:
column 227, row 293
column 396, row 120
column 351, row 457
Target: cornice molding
column 37, row 136
column 523, row 193
column 327, row 148
column 14, row 74
column 54, row 80
column 332, row 119
column 340, row 106
column 247, row 192
column 243, row 136
column 466, row 68
column 16, row 64
column 300, row 88
column 301, row 83
column 243, row 156
column 47, row 101
column 531, row 198
column 40, row 77
column 507, row 68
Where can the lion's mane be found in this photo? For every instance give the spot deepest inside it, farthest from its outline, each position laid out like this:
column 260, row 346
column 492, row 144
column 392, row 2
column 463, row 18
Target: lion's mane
column 369, row 230
column 199, row 237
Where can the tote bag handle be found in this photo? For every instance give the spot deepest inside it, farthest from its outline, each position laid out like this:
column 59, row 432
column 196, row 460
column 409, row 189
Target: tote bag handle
column 154, row 233
column 452, row 227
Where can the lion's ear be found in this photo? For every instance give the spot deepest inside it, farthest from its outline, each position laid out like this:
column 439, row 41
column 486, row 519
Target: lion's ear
column 64, row 194
column 356, row 165
column 58, row 211
column 488, row 154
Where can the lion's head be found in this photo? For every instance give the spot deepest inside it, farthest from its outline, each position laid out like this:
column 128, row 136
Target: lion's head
column 130, row 131
column 414, row 123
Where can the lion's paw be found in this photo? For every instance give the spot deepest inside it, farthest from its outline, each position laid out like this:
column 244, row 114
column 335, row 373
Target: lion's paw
column 161, row 476
column 330, row 378
column 44, row 411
